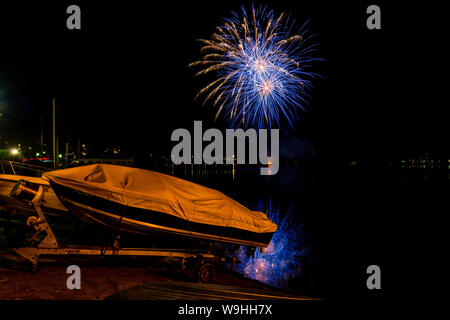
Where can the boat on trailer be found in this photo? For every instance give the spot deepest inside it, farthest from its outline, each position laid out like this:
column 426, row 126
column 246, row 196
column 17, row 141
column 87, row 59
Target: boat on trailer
column 143, row 201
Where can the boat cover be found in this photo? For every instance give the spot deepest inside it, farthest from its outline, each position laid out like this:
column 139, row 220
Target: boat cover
column 163, row 193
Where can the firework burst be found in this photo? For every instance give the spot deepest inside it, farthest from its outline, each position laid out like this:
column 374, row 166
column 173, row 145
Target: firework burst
column 263, row 72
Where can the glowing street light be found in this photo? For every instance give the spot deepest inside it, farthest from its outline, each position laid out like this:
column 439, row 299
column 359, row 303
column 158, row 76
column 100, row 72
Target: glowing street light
column 37, row 154
column 14, row 151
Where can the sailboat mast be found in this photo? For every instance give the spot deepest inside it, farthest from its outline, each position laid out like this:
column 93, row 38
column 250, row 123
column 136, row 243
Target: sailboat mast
column 42, row 133
column 54, row 135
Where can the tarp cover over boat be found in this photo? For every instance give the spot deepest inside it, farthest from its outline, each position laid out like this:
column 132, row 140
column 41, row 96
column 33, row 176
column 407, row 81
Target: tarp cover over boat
column 158, row 192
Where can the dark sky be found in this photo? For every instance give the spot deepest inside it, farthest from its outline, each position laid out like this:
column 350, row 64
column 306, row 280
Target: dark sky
column 123, row 77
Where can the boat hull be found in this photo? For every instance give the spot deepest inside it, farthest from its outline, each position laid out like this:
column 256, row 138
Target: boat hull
column 93, row 209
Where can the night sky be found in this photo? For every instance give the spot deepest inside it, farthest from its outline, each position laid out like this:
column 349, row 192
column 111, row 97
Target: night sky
column 124, row 78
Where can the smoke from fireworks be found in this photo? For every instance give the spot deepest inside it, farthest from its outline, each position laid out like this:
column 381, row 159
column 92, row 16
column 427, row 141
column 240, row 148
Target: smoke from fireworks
column 263, row 71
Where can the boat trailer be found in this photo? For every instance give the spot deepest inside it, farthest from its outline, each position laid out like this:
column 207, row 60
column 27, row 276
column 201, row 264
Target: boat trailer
column 202, row 262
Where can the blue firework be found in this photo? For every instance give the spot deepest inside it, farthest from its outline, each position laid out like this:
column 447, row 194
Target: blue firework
column 263, row 71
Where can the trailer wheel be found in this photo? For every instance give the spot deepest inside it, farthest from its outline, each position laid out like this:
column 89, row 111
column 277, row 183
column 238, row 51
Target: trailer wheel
column 205, row 272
